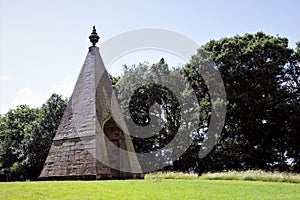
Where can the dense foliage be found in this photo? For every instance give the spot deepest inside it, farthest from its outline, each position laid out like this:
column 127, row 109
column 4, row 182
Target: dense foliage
column 261, row 78
column 25, row 138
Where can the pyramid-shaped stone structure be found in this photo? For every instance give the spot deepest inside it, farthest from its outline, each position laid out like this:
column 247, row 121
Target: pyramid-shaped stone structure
column 92, row 140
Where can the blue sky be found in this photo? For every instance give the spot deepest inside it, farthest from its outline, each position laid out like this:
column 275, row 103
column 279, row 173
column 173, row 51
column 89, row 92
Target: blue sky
column 43, row 43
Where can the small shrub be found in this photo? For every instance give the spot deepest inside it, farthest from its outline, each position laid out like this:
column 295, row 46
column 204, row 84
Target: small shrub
column 253, row 175
column 171, row 175
column 250, row 175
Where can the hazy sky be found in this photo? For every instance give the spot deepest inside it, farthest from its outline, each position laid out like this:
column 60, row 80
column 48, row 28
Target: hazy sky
column 43, row 43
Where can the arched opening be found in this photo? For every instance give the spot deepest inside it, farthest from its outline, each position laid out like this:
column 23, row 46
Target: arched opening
column 115, row 135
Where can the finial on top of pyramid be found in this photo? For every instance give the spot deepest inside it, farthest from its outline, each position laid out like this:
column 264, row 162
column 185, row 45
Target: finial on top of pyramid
column 94, row 36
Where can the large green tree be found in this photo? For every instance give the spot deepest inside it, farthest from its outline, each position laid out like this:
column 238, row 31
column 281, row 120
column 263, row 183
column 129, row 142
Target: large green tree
column 14, row 137
column 261, row 77
column 255, row 69
column 149, row 104
column 293, row 87
column 25, row 138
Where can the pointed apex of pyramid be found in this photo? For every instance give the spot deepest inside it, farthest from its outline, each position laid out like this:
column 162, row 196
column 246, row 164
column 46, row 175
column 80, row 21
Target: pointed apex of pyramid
column 94, row 37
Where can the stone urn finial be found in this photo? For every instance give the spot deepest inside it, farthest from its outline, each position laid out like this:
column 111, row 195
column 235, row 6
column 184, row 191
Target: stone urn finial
column 94, row 36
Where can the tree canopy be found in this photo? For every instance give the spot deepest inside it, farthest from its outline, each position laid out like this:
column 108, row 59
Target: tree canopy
column 25, row 138
column 259, row 72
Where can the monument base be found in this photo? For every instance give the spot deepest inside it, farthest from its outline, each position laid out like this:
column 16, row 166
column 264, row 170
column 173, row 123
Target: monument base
column 94, row 177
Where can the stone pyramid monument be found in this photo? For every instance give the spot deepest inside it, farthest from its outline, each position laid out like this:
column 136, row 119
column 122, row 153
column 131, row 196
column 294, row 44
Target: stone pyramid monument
column 92, row 140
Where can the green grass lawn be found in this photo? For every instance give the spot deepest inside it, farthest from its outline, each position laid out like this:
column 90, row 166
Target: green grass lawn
column 150, row 189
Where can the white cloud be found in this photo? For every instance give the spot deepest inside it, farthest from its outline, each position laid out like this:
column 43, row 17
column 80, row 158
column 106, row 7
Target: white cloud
column 23, row 96
column 35, row 98
column 5, row 78
column 64, row 88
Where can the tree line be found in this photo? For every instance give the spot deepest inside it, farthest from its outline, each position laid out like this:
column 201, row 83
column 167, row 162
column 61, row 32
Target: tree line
column 26, row 136
column 261, row 78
